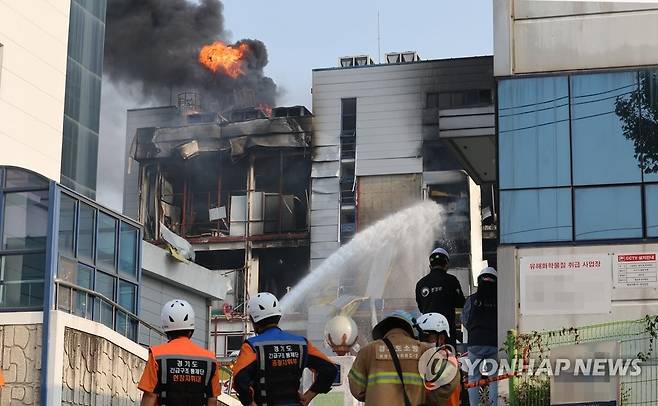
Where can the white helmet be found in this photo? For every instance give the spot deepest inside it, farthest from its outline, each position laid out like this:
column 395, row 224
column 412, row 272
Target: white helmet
column 177, row 314
column 433, row 322
column 441, row 251
column 489, row 271
column 264, row 305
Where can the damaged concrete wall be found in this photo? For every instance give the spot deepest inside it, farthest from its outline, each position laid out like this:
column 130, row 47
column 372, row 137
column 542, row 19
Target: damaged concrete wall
column 21, row 363
column 98, row 372
column 380, row 196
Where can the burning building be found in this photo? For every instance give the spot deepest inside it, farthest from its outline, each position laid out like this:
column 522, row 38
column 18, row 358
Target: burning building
column 231, row 192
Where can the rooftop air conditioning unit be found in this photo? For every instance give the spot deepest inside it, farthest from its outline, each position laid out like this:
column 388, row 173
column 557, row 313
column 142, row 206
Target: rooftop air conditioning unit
column 357, row 60
column 402, row 57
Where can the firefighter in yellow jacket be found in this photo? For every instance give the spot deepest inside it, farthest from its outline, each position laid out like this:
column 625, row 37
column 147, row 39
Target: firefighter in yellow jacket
column 395, row 353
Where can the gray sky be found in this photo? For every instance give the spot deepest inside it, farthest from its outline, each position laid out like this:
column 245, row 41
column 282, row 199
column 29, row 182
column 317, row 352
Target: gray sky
column 302, row 35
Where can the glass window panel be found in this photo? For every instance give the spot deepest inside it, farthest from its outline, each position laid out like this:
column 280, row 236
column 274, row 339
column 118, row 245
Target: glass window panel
column 533, row 119
column 86, row 224
column 106, row 246
column 484, row 96
column 349, row 106
column 125, row 324
column 82, row 100
column 95, row 7
column 432, row 100
column 348, row 115
column 83, row 278
column 102, row 310
column 651, row 207
column 645, row 138
column 601, row 104
column 535, row 215
column 128, row 241
column 348, row 123
column 66, row 224
column 458, row 99
column 105, row 284
column 445, row 100
column 66, row 269
column 86, row 33
column 127, row 294
column 25, row 220
column 22, row 279
column 24, row 179
column 79, row 275
column 598, row 215
column 79, row 157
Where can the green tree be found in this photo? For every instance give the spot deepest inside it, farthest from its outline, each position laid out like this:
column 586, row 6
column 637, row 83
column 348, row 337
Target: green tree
column 639, row 116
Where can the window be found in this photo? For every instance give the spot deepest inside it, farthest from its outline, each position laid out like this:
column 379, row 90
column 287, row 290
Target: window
column 128, row 241
column 86, row 232
column 67, row 207
column 460, row 98
column 127, row 299
column 18, row 178
column 103, row 311
column 107, row 231
column 572, row 150
column 107, row 262
column 83, row 92
column 598, row 215
column 650, row 210
column 602, row 155
column 348, row 116
column 25, row 220
column 533, row 123
column 233, row 343
column 535, row 215
column 21, row 278
column 83, row 278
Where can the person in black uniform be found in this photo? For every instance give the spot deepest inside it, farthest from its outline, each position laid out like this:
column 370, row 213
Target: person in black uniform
column 440, row 292
column 480, row 317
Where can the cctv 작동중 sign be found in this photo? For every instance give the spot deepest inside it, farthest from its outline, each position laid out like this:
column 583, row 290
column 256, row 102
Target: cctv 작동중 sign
column 635, row 270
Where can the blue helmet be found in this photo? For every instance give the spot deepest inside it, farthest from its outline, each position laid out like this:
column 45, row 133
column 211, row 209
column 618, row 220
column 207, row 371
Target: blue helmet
column 394, row 319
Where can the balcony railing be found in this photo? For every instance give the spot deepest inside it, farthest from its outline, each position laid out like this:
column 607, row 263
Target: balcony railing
column 92, row 305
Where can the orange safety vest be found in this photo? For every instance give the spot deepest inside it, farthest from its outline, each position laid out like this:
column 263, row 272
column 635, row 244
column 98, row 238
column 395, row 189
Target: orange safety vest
column 181, row 373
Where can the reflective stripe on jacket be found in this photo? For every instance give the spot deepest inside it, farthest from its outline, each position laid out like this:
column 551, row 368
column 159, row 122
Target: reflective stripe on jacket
column 374, row 380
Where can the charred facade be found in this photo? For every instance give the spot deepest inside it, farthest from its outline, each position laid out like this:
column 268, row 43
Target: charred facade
column 231, row 192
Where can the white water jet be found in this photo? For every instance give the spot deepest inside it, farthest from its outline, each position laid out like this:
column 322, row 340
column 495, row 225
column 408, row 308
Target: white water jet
column 387, row 258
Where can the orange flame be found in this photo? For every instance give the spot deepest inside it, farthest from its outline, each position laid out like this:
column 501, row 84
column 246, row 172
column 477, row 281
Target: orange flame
column 265, row 108
column 221, row 58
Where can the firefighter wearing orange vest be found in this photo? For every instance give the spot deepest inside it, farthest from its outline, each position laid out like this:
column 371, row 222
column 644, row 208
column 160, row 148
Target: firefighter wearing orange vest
column 179, row 372
column 270, row 365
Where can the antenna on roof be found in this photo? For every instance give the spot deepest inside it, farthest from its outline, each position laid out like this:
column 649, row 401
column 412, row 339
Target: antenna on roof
column 379, row 43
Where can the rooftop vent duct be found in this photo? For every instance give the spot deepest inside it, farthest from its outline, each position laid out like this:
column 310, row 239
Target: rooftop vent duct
column 357, row 60
column 402, row 57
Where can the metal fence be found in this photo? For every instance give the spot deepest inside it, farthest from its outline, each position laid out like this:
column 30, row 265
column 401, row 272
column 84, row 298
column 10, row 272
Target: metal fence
column 637, row 339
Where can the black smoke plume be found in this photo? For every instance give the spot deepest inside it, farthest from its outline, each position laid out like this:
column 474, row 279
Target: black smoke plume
column 155, row 44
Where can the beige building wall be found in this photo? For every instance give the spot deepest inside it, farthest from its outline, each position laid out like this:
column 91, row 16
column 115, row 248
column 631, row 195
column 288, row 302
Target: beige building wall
column 99, row 372
column 548, row 36
column 21, row 363
column 20, row 357
column 33, row 54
